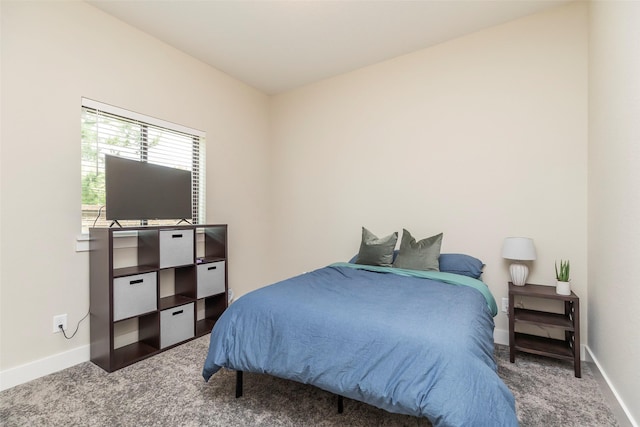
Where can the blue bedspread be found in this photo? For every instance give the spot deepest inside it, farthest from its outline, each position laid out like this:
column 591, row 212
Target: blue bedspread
column 405, row 344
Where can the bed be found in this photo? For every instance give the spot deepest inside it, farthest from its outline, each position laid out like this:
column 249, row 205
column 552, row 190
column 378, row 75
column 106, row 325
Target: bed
column 407, row 341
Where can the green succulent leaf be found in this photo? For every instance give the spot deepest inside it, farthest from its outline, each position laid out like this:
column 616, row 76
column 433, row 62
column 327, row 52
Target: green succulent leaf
column 563, row 274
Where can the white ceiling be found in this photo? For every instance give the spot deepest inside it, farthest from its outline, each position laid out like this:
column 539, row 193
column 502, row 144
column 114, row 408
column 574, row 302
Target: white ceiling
column 276, row 46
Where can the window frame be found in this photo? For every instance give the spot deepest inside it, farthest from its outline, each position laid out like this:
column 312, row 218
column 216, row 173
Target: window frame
column 197, row 155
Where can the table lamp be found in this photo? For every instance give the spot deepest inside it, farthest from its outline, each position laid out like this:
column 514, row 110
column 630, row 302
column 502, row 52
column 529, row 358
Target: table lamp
column 518, row 249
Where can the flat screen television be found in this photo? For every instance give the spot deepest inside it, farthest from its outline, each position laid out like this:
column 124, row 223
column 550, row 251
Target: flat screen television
column 138, row 190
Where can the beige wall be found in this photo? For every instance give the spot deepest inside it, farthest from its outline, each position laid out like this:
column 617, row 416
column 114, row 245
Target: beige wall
column 481, row 138
column 54, row 53
column 614, row 190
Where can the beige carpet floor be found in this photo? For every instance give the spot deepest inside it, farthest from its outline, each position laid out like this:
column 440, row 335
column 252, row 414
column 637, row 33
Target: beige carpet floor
column 168, row 390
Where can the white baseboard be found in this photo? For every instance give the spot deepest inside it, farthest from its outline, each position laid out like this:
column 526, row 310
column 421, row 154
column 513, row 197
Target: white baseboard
column 611, row 387
column 39, row 368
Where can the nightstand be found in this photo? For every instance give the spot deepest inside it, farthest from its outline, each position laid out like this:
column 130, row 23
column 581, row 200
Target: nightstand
column 569, row 322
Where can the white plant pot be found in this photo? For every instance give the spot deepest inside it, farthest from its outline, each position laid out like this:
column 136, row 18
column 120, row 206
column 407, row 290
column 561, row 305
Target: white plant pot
column 563, row 288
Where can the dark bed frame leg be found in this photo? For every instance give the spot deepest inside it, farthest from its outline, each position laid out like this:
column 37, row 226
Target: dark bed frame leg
column 238, row 384
column 239, row 392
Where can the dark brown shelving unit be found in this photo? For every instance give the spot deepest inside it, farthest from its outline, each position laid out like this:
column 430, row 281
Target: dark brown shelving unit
column 129, row 290
column 568, row 322
column 214, row 306
column 174, row 301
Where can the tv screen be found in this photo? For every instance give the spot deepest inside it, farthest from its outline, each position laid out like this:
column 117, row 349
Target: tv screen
column 139, row 190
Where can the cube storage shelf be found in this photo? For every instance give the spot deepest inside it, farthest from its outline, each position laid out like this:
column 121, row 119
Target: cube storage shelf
column 174, row 287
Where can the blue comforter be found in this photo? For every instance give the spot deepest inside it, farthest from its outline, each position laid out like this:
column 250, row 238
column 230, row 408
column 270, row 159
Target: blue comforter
column 406, row 344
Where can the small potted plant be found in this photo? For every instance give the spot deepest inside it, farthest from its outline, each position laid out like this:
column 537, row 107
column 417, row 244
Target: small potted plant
column 563, row 285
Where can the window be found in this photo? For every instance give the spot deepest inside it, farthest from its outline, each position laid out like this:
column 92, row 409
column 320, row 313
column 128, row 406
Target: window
column 106, row 129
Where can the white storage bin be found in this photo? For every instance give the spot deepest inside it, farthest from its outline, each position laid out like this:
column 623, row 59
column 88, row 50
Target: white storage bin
column 134, row 295
column 176, row 248
column 210, row 279
column 176, row 325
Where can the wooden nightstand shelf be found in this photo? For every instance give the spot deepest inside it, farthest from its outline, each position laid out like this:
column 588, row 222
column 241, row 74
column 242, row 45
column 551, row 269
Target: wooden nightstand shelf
column 569, row 322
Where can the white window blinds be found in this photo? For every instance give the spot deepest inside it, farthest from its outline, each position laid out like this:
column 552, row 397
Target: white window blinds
column 106, row 129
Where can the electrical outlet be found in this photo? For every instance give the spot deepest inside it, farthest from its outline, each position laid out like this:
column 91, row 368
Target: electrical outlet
column 505, row 305
column 58, row 320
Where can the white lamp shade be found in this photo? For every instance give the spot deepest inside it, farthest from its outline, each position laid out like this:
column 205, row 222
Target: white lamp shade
column 518, row 248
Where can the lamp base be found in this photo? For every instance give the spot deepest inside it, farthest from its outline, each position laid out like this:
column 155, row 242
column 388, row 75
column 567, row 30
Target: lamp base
column 519, row 273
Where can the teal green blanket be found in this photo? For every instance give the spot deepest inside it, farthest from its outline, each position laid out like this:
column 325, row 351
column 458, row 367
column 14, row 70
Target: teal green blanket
column 450, row 278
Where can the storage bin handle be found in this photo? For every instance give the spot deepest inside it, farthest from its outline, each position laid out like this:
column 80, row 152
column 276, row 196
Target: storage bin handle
column 212, row 268
column 177, row 312
column 176, row 236
column 135, row 282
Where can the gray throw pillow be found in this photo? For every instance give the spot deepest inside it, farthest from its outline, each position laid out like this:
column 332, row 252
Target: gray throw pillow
column 422, row 255
column 376, row 251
